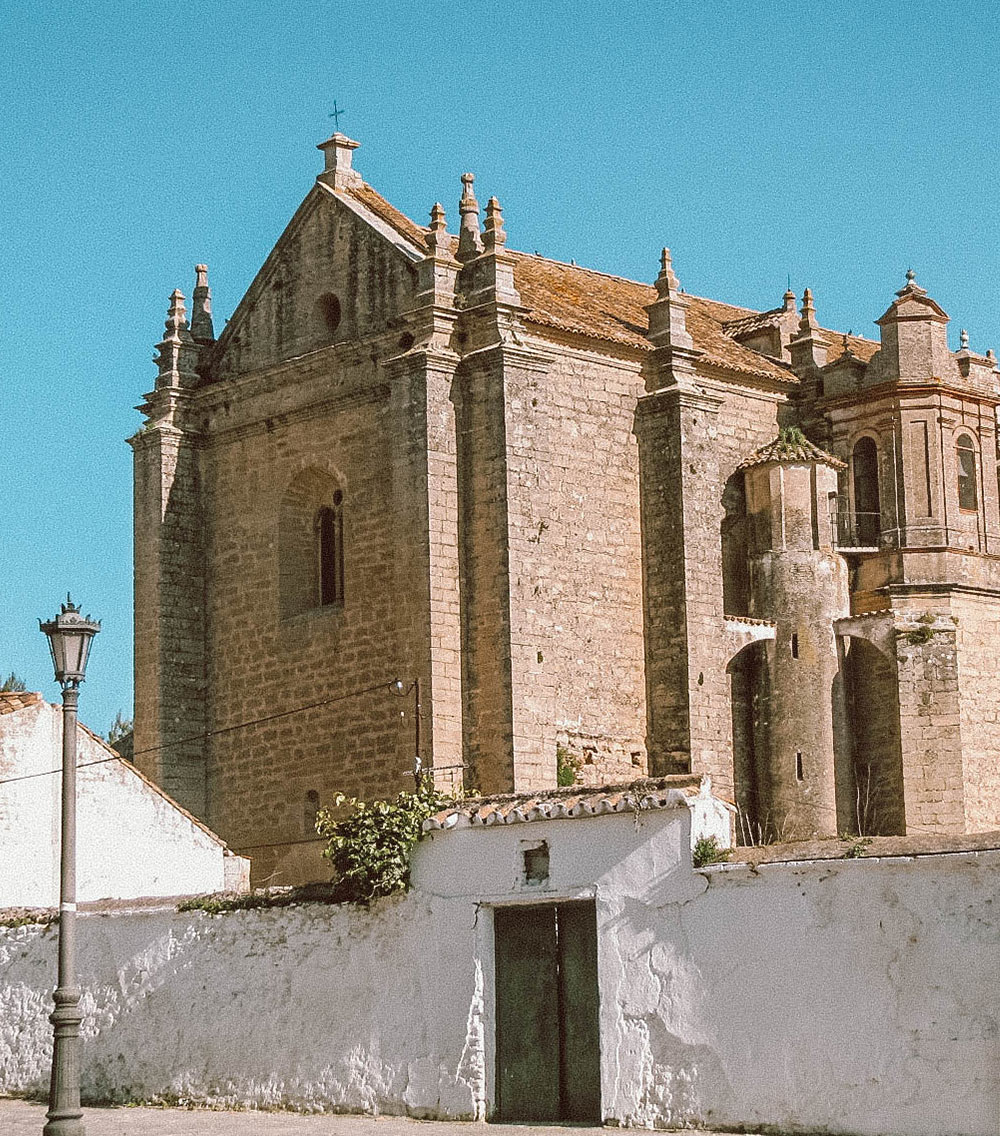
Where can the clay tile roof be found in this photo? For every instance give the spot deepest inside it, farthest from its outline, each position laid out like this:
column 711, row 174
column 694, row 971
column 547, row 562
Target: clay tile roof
column 862, row 349
column 755, row 322
column 581, row 300
column 390, row 214
column 12, row 700
column 602, row 306
column 784, row 449
column 561, row 804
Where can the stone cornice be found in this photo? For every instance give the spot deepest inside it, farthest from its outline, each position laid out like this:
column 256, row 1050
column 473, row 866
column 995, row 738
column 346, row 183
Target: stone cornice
column 688, row 398
column 312, row 364
column 346, row 400
column 525, row 358
column 896, row 388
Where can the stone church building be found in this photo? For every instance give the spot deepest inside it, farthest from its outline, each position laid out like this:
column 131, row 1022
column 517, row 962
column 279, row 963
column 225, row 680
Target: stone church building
column 608, row 526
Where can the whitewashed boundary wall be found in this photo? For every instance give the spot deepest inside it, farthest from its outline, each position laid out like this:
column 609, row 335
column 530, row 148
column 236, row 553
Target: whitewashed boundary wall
column 849, row 996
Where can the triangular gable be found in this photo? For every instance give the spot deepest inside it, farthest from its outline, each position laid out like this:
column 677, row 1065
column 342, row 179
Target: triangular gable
column 339, row 271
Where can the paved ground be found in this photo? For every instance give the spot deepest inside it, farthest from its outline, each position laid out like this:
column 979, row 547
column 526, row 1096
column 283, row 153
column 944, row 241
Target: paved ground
column 18, row 1118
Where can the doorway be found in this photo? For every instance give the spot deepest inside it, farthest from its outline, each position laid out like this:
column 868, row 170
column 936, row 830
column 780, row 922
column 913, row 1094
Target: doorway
column 548, row 1057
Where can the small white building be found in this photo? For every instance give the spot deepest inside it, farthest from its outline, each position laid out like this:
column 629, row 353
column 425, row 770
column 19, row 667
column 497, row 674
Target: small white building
column 132, row 839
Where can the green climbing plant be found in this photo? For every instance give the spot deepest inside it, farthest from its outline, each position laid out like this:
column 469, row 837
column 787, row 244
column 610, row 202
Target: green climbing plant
column 370, row 847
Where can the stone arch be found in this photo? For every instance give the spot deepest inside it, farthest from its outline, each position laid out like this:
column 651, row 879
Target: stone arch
column 749, row 699
column 876, row 802
column 310, row 498
column 866, row 496
column 967, row 469
column 734, row 537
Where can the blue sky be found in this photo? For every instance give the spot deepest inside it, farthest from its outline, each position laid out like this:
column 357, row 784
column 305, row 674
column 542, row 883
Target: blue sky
column 835, row 144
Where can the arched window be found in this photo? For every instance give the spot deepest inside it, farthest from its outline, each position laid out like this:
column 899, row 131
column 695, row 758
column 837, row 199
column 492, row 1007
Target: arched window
column 867, row 508
column 968, row 495
column 310, row 544
column 330, row 551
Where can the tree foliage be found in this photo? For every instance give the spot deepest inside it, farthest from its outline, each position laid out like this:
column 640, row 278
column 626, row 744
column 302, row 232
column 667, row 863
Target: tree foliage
column 120, row 728
column 370, row 848
column 12, row 684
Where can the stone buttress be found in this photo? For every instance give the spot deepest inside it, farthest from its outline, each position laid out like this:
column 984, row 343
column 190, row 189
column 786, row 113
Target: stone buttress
column 687, row 699
column 169, row 563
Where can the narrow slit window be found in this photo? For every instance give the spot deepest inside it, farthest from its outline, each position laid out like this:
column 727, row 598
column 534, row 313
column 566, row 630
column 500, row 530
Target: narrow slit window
column 968, row 496
column 799, row 774
column 330, row 551
column 795, row 645
column 310, row 812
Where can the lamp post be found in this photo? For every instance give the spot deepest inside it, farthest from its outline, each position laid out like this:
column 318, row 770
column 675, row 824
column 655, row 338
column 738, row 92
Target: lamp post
column 69, row 635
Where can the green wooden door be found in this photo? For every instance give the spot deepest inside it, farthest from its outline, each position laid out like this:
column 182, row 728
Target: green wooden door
column 547, row 1042
column 580, row 1054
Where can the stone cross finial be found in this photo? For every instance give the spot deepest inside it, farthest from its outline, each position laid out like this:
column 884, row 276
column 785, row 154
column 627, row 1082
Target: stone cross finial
column 495, row 237
column 667, row 281
column 911, row 286
column 438, row 239
column 963, row 337
column 667, row 321
column 201, row 306
column 176, row 354
column 808, row 320
column 470, row 243
column 176, row 321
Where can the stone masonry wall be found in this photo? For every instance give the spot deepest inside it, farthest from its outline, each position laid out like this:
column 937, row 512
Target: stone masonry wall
column 485, row 598
column 262, row 664
column 977, row 641
column 575, row 565
column 929, row 717
column 688, row 457
column 299, row 394
column 877, row 806
column 169, row 605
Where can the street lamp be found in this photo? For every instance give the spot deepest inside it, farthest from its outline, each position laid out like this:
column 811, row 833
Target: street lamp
column 69, row 636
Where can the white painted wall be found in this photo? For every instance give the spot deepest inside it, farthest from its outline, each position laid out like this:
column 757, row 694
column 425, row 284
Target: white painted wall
column 854, row 996
column 132, row 840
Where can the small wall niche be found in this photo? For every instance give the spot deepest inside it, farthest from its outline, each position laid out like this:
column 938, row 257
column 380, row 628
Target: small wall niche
column 535, row 862
column 326, row 315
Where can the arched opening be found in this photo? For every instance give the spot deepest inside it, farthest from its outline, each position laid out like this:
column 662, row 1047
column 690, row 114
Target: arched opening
column 968, row 493
column 867, row 506
column 876, row 757
column 735, row 549
column 311, row 544
column 749, row 699
column 330, row 551
column 326, row 315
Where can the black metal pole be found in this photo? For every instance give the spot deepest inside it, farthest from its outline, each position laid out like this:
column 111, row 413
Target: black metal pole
column 64, row 1117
